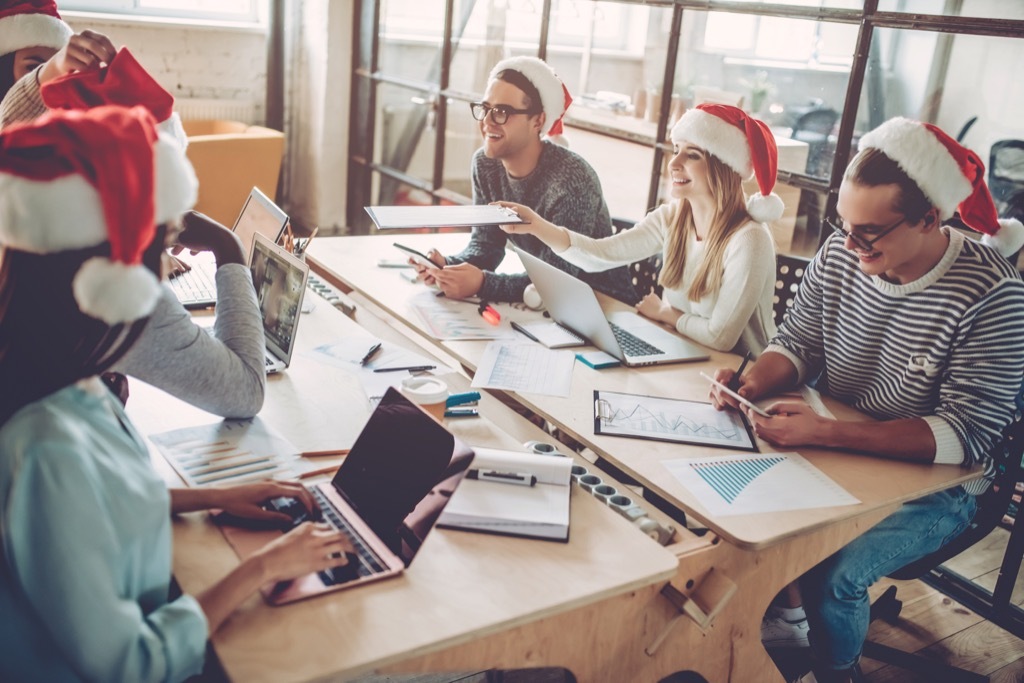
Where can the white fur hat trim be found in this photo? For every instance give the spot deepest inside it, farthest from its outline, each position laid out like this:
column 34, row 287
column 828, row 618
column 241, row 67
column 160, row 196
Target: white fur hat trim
column 32, row 30
column 115, row 292
column 920, row 155
column 1009, row 239
column 717, row 137
column 765, row 209
column 544, row 78
column 43, row 217
column 171, row 126
column 175, row 180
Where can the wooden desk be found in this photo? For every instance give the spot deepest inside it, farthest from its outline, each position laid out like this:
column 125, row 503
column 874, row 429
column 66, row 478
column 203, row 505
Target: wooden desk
column 761, row 553
column 462, row 587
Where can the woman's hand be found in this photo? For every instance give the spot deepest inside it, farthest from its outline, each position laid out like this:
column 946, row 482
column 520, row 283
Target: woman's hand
column 532, row 219
column 85, row 50
column 308, row 548
column 653, row 307
column 791, row 425
column 245, row 500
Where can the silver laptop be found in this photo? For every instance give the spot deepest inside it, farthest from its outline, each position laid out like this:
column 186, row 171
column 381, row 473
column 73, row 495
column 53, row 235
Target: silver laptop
column 280, row 282
column 197, row 287
column 627, row 336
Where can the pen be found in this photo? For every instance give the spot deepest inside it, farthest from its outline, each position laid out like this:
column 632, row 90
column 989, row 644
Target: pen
column 461, row 412
column 734, row 383
column 459, row 399
column 518, row 478
column 489, row 313
column 410, row 368
column 369, row 354
column 323, row 454
column 522, row 330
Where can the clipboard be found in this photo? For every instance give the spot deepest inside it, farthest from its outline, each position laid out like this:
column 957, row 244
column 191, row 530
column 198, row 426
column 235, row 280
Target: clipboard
column 674, row 420
column 440, row 216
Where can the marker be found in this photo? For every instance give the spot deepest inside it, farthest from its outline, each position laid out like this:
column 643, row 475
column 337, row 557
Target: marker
column 518, row 478
column 461, row 412
column 489, row 313
column 410, row 368
column 370, row 354
column 459, row 399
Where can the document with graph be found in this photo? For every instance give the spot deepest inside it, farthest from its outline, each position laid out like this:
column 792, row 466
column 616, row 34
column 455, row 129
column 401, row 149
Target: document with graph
column 670, row 419
column 742, row 484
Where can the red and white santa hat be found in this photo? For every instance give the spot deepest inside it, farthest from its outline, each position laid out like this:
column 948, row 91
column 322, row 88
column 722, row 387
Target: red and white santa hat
column 31, row 23
column 75, row 179
column 554, row 96
column 950, row 175
column 742, row 143
column 122, row 82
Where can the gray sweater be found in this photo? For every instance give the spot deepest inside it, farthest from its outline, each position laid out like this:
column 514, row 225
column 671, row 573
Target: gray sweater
column 565, row 190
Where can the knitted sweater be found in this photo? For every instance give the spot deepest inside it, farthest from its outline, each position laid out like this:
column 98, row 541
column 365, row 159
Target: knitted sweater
column 947, row 347
column 565, row 190
column 738, row 317
column 23, row 102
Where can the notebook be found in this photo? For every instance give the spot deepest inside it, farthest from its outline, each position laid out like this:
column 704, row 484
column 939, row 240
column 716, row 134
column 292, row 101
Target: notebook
column 624, row 335
column 514, row 508
column 280, row 282
column 197, row 288
column 387, row 496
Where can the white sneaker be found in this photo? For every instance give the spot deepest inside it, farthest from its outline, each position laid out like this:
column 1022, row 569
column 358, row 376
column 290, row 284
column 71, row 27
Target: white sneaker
column 777, row 632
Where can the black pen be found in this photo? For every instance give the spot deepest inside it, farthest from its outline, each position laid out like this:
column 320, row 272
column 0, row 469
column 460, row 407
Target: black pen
column 522, row 330
column 369, row 354
column 734, row 383
column 518, row 478
column 410, row 368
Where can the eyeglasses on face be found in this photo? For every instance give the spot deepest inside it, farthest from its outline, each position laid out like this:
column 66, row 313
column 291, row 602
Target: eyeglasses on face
column 859, row 241
column 499, row 112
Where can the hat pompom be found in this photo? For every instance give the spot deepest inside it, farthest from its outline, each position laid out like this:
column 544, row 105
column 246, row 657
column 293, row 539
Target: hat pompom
column 1008, row 239
column 765, row 208
column 115, row 292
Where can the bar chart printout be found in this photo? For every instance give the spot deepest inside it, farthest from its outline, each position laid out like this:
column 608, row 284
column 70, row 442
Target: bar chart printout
column 740, row 484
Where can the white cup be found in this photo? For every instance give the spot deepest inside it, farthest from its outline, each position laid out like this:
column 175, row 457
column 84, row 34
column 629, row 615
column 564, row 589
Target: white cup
column 428, row 393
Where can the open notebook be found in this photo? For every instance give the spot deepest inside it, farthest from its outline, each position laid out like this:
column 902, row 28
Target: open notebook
column 537, row 511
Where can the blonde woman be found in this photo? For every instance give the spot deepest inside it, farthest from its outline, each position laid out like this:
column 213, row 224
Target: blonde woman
column 719, row 259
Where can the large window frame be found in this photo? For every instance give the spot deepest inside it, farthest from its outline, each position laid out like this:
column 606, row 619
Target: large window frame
column 249, row 12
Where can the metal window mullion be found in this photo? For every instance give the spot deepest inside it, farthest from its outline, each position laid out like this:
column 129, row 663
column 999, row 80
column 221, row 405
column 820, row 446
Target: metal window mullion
column 671, row 57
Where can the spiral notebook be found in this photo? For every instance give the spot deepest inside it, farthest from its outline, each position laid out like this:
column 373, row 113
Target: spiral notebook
column 550, row 334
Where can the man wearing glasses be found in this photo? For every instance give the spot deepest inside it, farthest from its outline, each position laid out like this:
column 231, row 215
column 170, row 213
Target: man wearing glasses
column 913, row 324
column 519, row 162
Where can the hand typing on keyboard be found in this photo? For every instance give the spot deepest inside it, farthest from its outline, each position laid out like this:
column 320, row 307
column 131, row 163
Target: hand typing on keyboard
column 267, row 504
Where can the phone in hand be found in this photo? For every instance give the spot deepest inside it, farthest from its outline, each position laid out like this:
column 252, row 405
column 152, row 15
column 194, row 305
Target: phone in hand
column 760, row 411
column 417, row 256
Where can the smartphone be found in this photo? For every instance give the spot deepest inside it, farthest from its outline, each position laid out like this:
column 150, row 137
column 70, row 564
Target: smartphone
column 747, row 403
column 417, row 256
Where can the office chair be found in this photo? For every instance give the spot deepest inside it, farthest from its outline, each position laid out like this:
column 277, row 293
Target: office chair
column 814, row 128
column 992, row 505
column 789, row 271
column 643, row 273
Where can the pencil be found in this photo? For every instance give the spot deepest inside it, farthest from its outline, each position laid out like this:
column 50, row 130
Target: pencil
column 324, row 454
column 317, row 472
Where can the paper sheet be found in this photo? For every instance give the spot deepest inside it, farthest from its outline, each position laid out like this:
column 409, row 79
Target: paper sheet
column 744, row 484
column 525, row 366
column 450, row 320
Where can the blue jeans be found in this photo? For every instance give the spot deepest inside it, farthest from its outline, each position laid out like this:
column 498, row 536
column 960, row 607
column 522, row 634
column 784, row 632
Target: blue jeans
column 835, row 592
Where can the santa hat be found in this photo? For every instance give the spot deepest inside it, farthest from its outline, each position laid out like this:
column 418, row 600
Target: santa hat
column 31, row 23
column 122, row 82
column 554, row 96
column 742, row 143
column 73, row 180
column 950, row 175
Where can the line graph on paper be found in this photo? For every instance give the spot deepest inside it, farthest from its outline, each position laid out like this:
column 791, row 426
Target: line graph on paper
column 667, row 419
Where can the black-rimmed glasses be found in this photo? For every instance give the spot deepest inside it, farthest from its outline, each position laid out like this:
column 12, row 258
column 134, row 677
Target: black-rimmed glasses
column 860, row 242
column 499, row 112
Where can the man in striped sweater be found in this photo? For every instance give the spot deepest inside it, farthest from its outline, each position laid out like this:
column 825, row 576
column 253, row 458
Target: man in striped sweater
column 914, row 325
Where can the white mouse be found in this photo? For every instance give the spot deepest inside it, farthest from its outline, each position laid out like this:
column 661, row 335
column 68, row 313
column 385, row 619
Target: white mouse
column 532, row 298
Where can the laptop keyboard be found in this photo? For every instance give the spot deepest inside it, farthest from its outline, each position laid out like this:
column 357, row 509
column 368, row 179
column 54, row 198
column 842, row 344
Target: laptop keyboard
column 194, row 285
column 633, row 345
column 369, row 563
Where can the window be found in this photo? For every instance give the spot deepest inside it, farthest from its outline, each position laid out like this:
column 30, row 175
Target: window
column 216, row 10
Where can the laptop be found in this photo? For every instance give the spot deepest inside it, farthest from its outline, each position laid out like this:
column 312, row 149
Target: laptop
column 386, row 496
column 632, row 339
column 280, row 282
column 197, row 288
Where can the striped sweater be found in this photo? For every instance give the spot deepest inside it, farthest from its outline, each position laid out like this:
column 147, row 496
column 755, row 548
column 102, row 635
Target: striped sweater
column 948, row 347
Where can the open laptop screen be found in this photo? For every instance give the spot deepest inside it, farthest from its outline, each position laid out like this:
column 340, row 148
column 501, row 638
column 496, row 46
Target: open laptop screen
column 401, row 472
column 280, row 280
column 259, row 216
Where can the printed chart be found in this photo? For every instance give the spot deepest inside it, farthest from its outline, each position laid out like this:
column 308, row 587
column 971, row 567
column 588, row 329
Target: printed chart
column 525, row 366
column 447, row 319
column 666, row 419
column 738, row 484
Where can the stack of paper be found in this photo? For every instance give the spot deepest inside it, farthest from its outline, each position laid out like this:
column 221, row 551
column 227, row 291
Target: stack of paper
column 538, row 511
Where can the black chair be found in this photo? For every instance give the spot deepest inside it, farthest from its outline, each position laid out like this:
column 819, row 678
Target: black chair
column 643, row 273
column 814, row 127
column 1006, row 177
column 789, row 271
column 992, row 506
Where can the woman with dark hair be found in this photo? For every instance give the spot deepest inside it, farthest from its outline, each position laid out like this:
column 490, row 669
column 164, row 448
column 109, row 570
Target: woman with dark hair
column 719, row 272
column 84, row 520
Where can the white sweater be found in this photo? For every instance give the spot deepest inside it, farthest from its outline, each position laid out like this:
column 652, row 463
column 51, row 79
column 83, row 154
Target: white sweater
column 738, row 317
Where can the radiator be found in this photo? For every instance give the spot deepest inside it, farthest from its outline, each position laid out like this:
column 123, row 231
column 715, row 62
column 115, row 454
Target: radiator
column 229, row 110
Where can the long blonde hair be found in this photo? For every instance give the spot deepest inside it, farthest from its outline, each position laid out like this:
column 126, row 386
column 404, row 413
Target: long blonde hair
column 730, row 213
